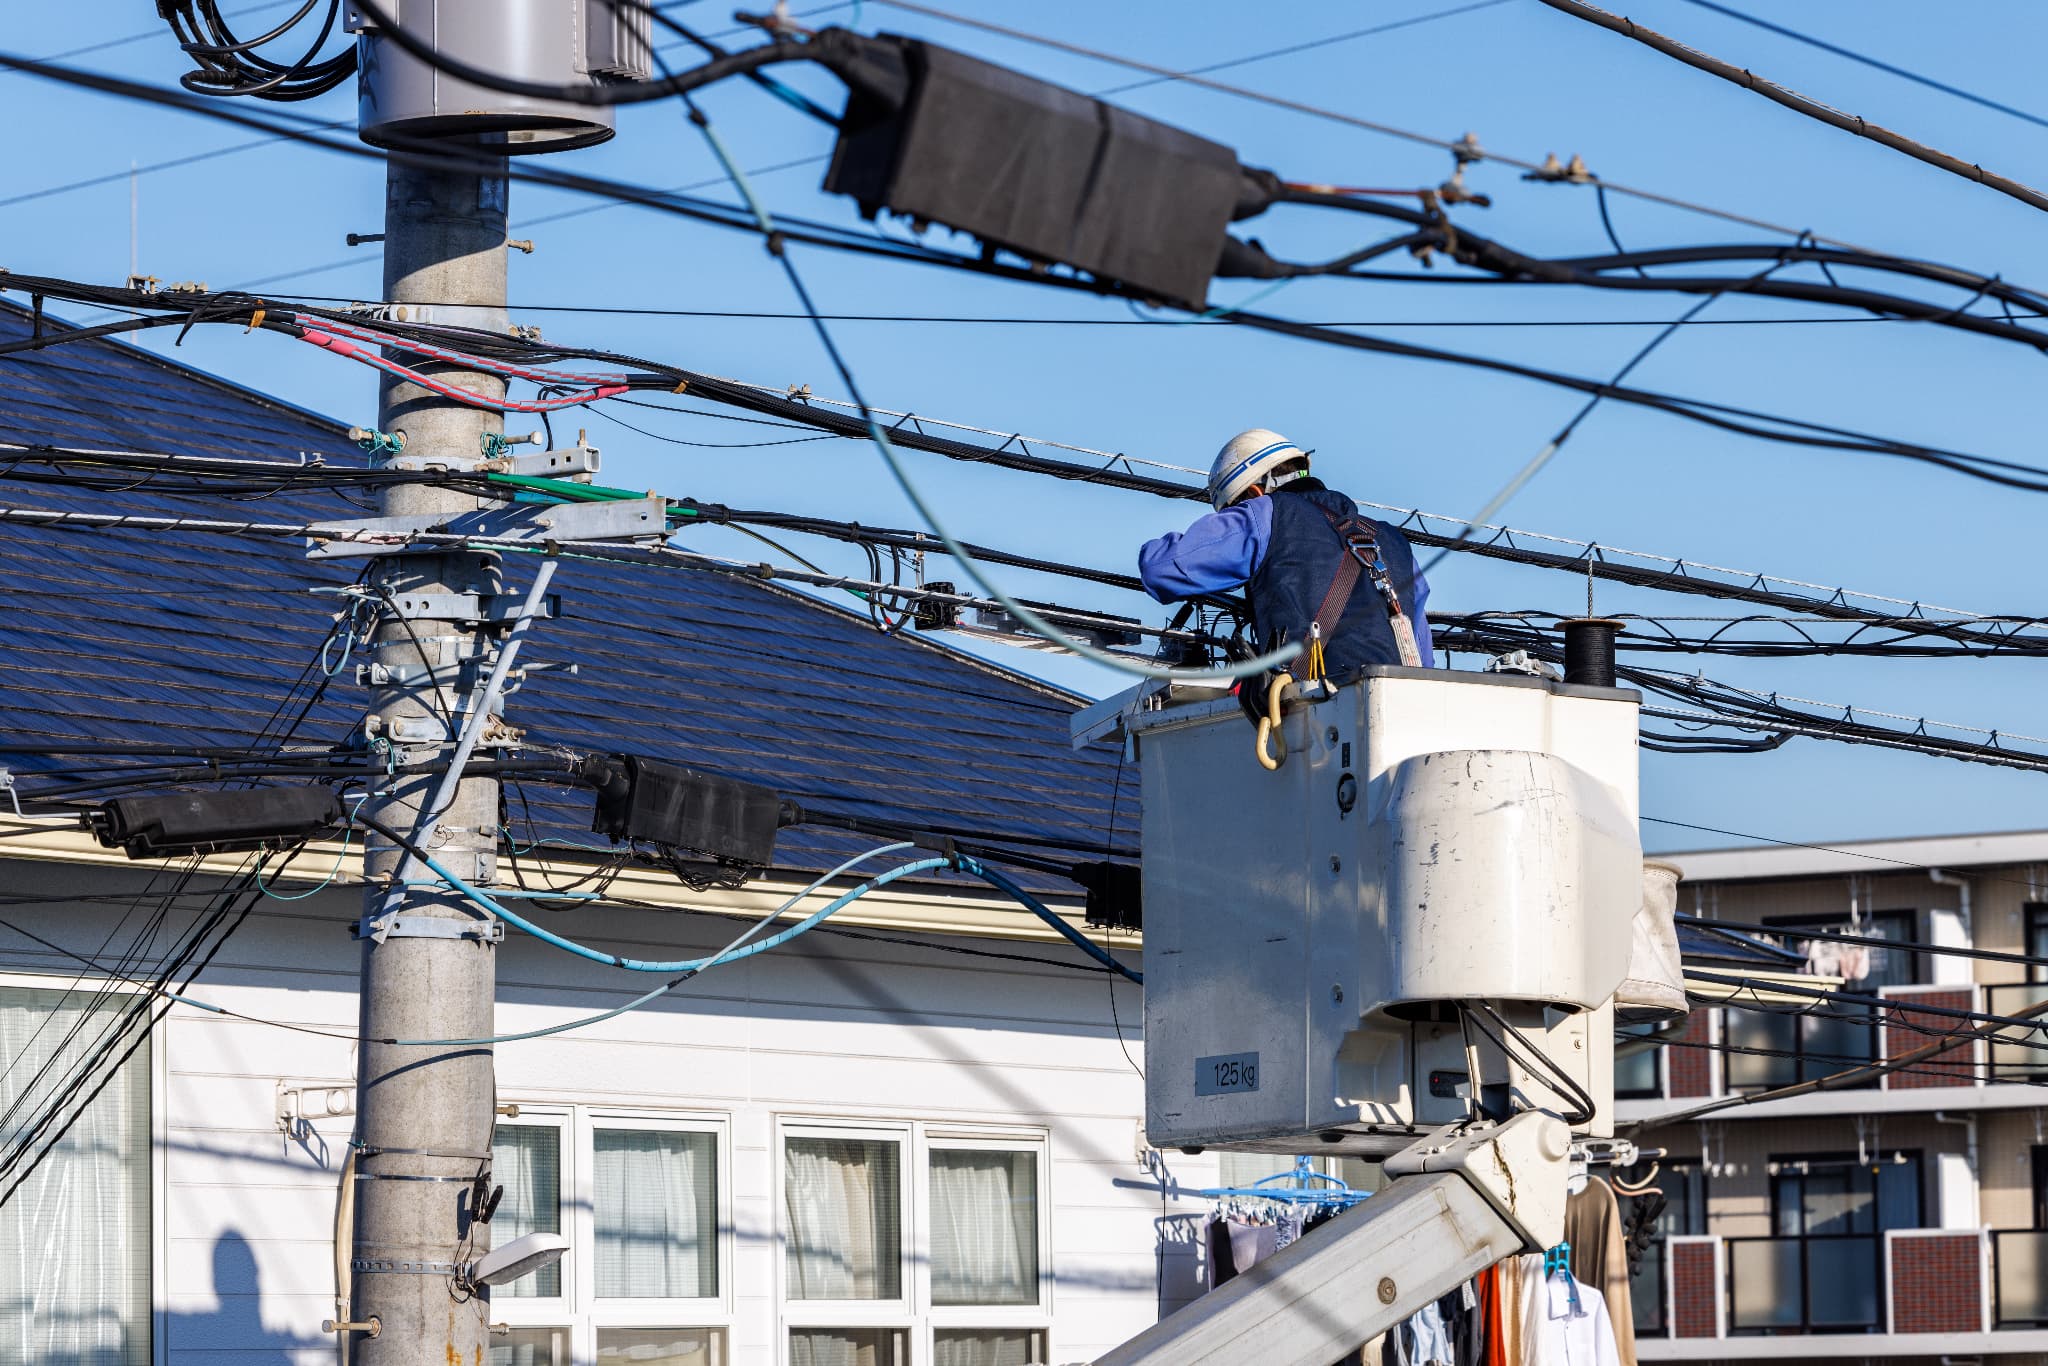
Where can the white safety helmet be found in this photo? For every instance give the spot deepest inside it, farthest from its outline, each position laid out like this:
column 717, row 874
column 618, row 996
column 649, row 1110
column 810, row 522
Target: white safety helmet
column 1245, row 460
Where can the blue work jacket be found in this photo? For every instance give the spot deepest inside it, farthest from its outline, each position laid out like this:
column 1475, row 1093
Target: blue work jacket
column 1283, row 550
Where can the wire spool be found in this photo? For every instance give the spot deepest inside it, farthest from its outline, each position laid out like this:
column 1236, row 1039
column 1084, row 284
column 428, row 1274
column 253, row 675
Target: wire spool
column 1589, row 650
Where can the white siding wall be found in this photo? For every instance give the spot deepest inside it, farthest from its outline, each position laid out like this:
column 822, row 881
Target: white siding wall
column 830, row 1027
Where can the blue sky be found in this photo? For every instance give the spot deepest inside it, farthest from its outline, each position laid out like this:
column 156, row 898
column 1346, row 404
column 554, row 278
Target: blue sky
column 1528, row 80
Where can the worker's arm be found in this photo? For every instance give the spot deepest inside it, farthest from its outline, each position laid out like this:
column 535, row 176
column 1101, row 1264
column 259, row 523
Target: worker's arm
column 1425, row 646
column 1217, row 554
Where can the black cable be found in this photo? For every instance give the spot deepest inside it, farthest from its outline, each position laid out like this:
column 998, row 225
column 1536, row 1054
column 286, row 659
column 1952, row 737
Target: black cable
column 1871, row 941
column 1565, row 1086
column 1747, row 422
column 228, row 65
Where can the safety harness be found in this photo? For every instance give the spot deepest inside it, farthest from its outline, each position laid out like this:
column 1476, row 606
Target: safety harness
column 1361, row 559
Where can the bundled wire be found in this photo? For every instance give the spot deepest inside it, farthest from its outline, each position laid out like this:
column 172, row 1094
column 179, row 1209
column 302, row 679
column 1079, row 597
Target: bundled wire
column 231, row 65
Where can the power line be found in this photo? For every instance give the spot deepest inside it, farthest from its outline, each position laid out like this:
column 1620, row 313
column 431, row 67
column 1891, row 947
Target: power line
column 150, row 169
column 1872, row 62
column 1793, row 100
column 1331, row 115
column 1016, row 451
column 149, row 34
column 1722, row 416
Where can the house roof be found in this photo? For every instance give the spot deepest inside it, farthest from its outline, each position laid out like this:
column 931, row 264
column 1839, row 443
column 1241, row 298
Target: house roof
column 123, row 635
column 1907, row 854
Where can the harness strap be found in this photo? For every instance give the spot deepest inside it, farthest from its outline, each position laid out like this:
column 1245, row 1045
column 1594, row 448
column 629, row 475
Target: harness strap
column 1362, row 554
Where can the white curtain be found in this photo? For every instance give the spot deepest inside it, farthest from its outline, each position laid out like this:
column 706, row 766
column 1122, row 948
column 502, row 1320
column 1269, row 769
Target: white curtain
column 842, row 1201
column 984, row 1227
column 526, row 1159
column 74, row 1240
column 988, row 1347
column 657, row 1214
column 847, row 1347
column 659, row 1347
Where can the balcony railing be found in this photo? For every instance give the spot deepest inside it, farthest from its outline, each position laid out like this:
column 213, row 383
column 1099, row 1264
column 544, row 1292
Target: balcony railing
column 2020, row 1281
column 1820, row 1283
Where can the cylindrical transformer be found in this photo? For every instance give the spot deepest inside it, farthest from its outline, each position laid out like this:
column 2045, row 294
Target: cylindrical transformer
column 402, row 98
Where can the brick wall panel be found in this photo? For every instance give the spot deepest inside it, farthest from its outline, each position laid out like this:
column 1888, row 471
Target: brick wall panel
column 1689, row 1069
column 1938, row 1286
column 1951, row 1066
column 1695, row 1290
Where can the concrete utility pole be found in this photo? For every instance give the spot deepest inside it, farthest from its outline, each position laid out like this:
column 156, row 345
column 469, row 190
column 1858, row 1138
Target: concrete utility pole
column 424, row 1113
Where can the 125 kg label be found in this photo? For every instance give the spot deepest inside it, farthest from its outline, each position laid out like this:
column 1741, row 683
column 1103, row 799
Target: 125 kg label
column 1219, row 1076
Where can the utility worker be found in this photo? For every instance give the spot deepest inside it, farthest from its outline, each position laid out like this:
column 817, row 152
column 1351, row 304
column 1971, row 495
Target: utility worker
column 1317, row 571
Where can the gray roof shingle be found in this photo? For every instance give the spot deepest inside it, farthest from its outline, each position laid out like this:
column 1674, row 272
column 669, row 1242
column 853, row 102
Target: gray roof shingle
column 129, row 635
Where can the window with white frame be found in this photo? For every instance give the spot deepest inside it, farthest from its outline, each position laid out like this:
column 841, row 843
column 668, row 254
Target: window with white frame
column 912, row 1243
column 643, row 1200
column 75, row 1234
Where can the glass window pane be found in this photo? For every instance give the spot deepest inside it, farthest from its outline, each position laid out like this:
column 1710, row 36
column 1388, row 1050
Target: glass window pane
column 1755, row 1029
column 984, row 1227
column 1840, row 1200
column 1898, row 1194
column 526, row 1159
column 2022, row 1277
column 661, row 1346
column 1842, row 1282
column 657, row 1214
column 75, row 1237
column 1243, row 1169
column 1635, row 1074
column 849, row 1347
column 1835, row 1046
column 988, row 1347
column 528, row 1346
column 1764, row 1283
column 842, row 1202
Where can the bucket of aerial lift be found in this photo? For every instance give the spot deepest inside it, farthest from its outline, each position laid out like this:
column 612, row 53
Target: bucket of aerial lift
column 1433, row 837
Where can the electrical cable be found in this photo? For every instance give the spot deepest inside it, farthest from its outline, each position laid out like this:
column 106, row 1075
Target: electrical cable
column 705, row 964
column 1870, row 941
column 1798, row 103
column 1467, row 147
column 1872, row 62
column 1522, row 477
column 2028, row 1016
column 778, row 249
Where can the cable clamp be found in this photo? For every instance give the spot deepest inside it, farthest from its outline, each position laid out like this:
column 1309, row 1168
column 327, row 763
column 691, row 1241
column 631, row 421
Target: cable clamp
column 943, row 845
column 7, row 786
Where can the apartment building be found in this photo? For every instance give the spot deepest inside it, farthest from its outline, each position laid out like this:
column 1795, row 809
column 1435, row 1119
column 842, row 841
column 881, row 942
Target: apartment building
column 1902, row 1218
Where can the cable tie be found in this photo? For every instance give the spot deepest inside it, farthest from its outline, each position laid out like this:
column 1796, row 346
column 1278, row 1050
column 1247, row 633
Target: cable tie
column 255, row 320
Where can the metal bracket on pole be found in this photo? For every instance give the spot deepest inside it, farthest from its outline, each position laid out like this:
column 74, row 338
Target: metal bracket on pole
column 624, row 519
column 399, row 926
column 384, row 1266
column 480, row 607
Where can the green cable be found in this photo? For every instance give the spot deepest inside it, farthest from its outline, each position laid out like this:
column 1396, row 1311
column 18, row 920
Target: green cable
column 348, row 833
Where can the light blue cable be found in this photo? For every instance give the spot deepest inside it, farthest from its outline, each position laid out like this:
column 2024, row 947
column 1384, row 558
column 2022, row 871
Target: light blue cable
column 1037, row 624
column 1048, row 915
column 665, row 987
column 484, row 902
column 318, row 887
column 348, row 832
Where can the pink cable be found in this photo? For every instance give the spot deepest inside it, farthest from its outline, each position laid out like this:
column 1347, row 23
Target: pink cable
column 342, row 347
column 432, row 352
